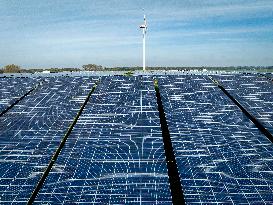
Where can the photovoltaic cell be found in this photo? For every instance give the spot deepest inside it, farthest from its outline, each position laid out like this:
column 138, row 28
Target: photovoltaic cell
column 31, row 132
column 221, row 155
column 115, row 153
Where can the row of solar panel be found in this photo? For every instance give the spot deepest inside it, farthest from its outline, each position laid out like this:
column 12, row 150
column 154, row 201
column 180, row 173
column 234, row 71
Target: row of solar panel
column 115, row 152
column 118, row 133
column 222, row 156
column 31, row 132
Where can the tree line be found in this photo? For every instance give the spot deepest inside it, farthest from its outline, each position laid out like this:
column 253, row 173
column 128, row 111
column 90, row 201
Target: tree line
column 12, row 68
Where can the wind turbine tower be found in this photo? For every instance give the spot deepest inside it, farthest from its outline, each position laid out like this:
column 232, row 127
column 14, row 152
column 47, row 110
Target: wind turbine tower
column 144, row 30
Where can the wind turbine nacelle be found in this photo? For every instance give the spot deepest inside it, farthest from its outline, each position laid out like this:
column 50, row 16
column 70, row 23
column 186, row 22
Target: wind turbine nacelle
column 143, row 26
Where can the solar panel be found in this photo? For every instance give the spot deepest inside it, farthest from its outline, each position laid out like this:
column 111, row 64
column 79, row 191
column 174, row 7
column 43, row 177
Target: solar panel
column 222, row 157
column 255, row 93
column 115, row 153
column 31, row 132
column 13, row 88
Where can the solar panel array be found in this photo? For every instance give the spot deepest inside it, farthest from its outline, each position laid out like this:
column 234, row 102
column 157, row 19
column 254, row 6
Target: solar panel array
column 115, row 152
column 222, row 157
column 31, row 132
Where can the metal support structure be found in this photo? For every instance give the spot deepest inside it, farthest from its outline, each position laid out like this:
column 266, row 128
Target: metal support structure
column 144, row 30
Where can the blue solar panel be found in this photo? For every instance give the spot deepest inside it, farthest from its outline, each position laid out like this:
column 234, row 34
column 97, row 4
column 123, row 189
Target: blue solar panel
column 254, row 92
column 13, row 88
column 222, row 157
column 115, row 153
column 31, row 132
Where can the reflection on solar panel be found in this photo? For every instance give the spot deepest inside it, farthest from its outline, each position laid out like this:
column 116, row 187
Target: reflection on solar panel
column 222, row 157
column 115, row 152
column 32, row 130
column 255, row 93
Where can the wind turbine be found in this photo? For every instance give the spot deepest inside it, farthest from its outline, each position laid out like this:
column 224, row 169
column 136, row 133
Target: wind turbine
column 144, row 30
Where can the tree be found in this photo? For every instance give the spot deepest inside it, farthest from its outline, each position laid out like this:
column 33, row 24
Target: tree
column 11, row 69
column 92, row 67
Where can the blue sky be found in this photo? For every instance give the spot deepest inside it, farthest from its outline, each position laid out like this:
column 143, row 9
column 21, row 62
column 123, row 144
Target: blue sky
column 69, row 33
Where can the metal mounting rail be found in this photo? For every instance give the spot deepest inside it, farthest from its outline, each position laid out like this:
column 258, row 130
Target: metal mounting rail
column 59, row 149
